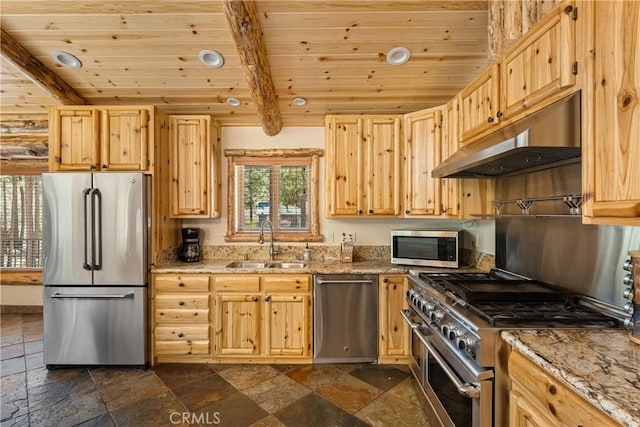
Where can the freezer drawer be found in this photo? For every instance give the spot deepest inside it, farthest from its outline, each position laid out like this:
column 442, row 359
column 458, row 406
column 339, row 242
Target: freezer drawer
column 95, row 325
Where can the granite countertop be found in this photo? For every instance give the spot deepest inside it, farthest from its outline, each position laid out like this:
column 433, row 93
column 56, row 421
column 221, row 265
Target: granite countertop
column 603, row 366
column 325, row 267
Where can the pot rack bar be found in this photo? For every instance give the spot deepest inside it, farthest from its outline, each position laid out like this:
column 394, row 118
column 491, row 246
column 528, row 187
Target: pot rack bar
column 573, row 202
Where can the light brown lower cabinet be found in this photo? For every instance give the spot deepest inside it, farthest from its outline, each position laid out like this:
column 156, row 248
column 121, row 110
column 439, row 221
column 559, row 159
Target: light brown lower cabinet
column 537, row 399
column 232, row 318
column 393, row 331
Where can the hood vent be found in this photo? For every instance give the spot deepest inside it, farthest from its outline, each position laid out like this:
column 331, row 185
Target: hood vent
column 544, row 139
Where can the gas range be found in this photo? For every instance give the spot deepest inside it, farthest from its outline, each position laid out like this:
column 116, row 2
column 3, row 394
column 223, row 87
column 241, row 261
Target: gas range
column 469, row 309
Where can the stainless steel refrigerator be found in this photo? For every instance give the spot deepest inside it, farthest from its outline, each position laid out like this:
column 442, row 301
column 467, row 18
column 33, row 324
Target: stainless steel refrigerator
column 95, row 268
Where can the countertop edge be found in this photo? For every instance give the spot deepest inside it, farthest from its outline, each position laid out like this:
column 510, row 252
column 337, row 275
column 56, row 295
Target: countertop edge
column 573, row 382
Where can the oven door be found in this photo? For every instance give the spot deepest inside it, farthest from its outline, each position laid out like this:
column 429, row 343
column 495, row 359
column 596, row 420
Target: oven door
column 417, row 354
column 461, row 394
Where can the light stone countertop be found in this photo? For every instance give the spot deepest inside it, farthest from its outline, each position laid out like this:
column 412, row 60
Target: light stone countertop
column 324, row 267
column 603, row 366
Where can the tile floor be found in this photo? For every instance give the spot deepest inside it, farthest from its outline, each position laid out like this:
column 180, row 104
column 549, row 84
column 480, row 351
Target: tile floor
column 187, row 394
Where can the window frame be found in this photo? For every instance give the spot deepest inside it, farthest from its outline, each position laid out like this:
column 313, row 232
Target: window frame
column 313, row 154
column 18, row 275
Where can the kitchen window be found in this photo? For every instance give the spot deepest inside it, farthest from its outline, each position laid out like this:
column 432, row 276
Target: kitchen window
column 21, row 224
column 276, row 185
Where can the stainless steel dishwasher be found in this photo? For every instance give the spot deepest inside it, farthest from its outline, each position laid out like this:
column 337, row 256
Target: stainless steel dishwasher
column 345, row 320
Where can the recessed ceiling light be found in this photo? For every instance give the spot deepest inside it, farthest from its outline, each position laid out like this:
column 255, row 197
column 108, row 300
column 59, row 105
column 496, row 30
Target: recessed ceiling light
column 398, row 56
column 299, row 101
column 234, row 102
column 211, row 58
column 66, row 59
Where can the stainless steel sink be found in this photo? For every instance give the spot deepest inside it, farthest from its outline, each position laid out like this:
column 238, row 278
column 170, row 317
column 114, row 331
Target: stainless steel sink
column 261, row 265
column 248, row 264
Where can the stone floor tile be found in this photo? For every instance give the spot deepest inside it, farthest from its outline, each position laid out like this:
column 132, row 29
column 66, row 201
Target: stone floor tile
column 245, row 376
column 11, row 337
column 283, row 367
column 381, row 376
column 120, row 386
column 21, row 421
column 41, row 376
column 313, row 376
column 32, row 331
column 11, row 351
column 198, row 394
column 12, row 366
column 34, row 347
column 159, row 410
column 276, row 393
column 53, row 393
column 234, row 410
column 34, row 361
column 389, row 410
column 68, row 409
column 31, row 317
column 270, row 421
column 348, row 367
column 219, row 367
column 176, row 375
column 349, row 393
column 312, row 410
column 103, row 420
column 13, row 396
column 409, row 391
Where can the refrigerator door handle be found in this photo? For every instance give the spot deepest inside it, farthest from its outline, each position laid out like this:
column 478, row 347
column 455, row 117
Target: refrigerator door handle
column 90, row 296
column 97, row 195
column 85, row 193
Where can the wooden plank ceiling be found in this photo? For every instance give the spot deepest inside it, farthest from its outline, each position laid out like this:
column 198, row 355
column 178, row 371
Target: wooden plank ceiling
column 329, row 52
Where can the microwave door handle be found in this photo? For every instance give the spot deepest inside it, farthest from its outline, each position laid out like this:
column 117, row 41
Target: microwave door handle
column 406, row 314
column 85, row 195
column 466, row 389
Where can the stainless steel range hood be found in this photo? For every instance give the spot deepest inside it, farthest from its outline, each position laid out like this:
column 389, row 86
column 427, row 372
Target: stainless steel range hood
column 548, row 137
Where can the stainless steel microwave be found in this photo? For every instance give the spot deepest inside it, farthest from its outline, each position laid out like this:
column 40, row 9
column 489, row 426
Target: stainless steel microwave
column 429, row 248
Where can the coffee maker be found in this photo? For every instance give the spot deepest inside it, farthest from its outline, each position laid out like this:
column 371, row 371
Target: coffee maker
column 189, row 249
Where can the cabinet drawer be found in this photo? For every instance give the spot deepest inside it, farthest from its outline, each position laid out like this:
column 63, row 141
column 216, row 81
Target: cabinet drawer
column 182, row 282
column 171, row 315
column 181, row 347
column 182, row 333
column 289, row 283
column 182, row 301
column 237, row 283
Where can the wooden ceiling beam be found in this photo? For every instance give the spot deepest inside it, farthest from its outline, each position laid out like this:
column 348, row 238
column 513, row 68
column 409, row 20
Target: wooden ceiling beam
column 36, row 71
column 247, row 35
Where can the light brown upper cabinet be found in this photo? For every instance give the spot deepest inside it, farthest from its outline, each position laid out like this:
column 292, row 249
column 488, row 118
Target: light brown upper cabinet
column 422, row 144
column 611, row 115
column 363, row 162
column 195, row 167
column 541, row 66
column 479, row 104
column 88, row 138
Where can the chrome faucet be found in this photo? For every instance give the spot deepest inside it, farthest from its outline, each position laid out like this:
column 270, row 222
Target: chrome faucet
column 272, row 250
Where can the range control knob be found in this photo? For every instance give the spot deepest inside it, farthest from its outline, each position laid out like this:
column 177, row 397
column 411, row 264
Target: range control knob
column 454, row 333
column 628, row 280
column 436, row 315
column 628, row 307
column 628, row 293
column 628, row 265
column 445, row 329
column 464, row 343
column 628, row 322
column 429, row 305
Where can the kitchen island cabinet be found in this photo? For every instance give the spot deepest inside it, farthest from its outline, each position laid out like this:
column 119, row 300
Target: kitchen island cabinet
column 393, row 331
column 90, row 138
column 363, row 165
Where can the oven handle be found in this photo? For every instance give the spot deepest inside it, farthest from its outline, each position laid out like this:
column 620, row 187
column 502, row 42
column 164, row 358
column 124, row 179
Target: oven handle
column 406, row 314
column 466, row 389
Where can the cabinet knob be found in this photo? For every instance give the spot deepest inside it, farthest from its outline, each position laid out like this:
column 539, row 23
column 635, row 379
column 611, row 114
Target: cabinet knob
column 370, row 211
column 407, row 212
column 254, row 299
column 267, row 298
column 180, row 284
column 181, row 303
column 360, row 212
column 490, row 119
column 180, row 335
column 104, row 166
column 385, row 280
column 499, row 114
column 93, row 167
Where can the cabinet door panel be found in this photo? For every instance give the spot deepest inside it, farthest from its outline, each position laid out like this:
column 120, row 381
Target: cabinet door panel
column 75, row 140
column 125, row 139
column 238, row 324
column 288, row 325
column 382, row 196
column 479, row 104
column 450, row 143
column 344, row 151
column 394, row 332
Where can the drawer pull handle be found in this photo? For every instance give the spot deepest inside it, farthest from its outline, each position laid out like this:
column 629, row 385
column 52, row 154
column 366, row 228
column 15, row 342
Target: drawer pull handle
column 254, row 299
